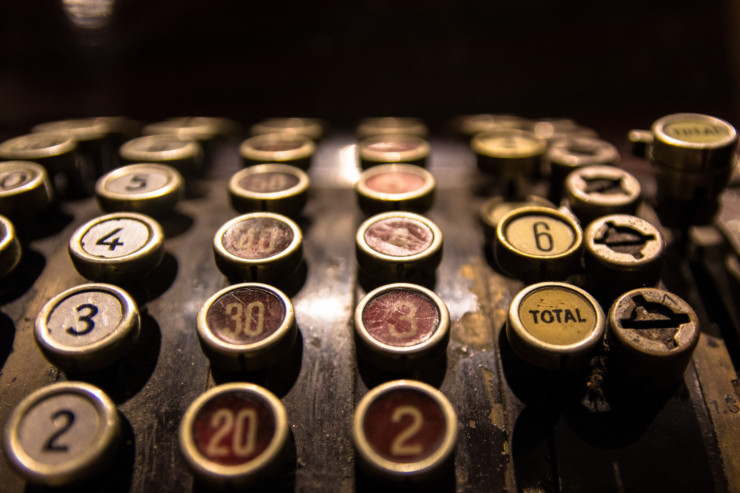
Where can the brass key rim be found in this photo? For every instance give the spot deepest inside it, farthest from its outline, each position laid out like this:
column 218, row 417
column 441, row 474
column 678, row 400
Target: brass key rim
column 137, row 150
column 428, row 186
column 299, row 188
column 250, row 148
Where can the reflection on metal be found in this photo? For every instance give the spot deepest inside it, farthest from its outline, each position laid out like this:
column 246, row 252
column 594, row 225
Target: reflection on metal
column 88, row 14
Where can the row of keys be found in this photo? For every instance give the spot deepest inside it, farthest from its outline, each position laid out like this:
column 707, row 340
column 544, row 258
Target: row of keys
column 232, row 435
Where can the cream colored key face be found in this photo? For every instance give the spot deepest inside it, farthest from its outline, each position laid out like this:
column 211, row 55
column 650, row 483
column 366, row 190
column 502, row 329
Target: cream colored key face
column 62, row 433
column 25, row 189
column 541, row 235
column 698, row 131
column 183, row 155
column 117, row 246
column 88, row 327
column 36, row 145
column 508, row 143
column 555, row 325
column 147, row 188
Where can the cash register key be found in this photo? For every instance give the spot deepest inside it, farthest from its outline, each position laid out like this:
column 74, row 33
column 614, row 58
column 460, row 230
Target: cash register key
column 401, row 327
column 10, row 247
column 246, row 327
column 55, row 152
column 293, row 149
column 404, row 430
column 393, row 148
column 470, row 125
column 25, row 189
column 117, row 247
column 538, row 244
column 555, row 326
column 186, row 156
column 147, row 188
column 693, row 156
column 493, row 209
column 386, row 125
column 199, row 128
column 88, row 327
column 278, row 188
column 235, row 435
column 392, row 187
column 509, row 153
column 63, row 433
column 398, row 246
column 599, row 190
column 654, row 333
column 260, row 246
column 626, row 250
column 80, row 129
column 307, row 127
column 567, row 154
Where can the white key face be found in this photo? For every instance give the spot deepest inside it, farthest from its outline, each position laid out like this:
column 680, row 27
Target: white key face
column 115, row 238
column 85, row 318
column 138, row 182
column 13, row 179
column 60, row 428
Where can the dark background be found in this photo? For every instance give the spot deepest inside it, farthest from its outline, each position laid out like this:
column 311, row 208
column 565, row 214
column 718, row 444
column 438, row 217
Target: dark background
column 615, row 65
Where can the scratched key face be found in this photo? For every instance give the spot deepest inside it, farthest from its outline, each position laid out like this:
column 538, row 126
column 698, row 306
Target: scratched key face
column 401, row 317
column 257, row 238
column 559, row 316
column 399, row 237
column 234, row 428
column 404, row 425
column 395, row 182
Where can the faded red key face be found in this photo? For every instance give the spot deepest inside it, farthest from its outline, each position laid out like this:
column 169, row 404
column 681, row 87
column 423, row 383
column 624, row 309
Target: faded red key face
column 398, row 236
column 395, row 182
column 257, row 238
column 401, row 317
column 234, row 428
column 278, row 145
column 246, row 315
column 404, row 425
column 268, row 182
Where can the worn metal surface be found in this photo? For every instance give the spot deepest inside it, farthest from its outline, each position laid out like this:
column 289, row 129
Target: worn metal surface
column 519, row 428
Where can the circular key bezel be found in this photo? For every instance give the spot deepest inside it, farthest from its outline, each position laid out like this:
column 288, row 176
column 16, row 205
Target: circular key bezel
column 401, row 470
column 278, row 201
column 138, row 150
column 487, row 144
column 547, row 354
column 242, row 473
column 10, row 247
column 386, row 125
column 256, row 354
column 396, row 201
column 101, row 353
column 88, row 463
column 435, row 342
column 123, row 267
column 14, row 148
column 258, row 269
column 254, row 148
column 416, row 149
column 157, row 201
column 308, row 127
column 582, row 201
column 79, row 129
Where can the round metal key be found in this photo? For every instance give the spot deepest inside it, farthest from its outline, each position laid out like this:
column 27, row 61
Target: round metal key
column 10, row 247
column 278, row 188
column 626, row 250
column 293, row 149
column 654, row 333
column 199, row 128
column 386, row 125
column 247, row 326
column 307, row 127
column 25, row 189
column 186, row 156
column 570, row 153
column 393, row 148
column 401, row 327
column 554, row 325
column 599, row 190
column 538, row 243
column 235, row 434
column 510, row 154
column 470, row 125
column 393, row 187
column 497, row 207
column 398, row 246
column 404, row 430
column 88, row 327
column 261, row 246
column 117, row 247
column 62, row 433
column 147, row 188
column 55, row 152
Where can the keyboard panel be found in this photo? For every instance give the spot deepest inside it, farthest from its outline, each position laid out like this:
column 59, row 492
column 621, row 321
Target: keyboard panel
column 520, row 429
